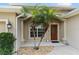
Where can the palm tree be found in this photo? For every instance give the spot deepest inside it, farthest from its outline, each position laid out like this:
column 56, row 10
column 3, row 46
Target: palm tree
column 32, row 10
column 41, row 15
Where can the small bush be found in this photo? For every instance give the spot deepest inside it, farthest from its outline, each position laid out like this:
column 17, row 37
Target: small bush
column 6, row 43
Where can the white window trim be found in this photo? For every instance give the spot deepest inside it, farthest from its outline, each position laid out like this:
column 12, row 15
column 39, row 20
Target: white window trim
column 6, row 22
column 37, row 32
column 30, row 34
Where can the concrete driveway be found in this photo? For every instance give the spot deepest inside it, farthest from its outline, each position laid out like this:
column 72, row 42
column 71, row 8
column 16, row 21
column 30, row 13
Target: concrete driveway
column 64, row 50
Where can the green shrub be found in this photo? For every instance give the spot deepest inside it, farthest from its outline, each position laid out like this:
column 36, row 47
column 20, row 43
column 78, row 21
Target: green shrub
column 6, row 43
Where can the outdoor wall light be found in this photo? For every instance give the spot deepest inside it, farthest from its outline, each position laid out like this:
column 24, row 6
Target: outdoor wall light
column 9, row 25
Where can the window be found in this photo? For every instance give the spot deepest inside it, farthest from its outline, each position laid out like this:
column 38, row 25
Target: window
column 38, row 32
column 32, row 34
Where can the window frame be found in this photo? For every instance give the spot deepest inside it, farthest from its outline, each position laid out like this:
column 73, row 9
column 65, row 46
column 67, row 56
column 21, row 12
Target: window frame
column 40, row 31
column 37, row 28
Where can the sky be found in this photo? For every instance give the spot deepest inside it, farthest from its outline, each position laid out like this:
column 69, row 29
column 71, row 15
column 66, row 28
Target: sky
column 76, row 5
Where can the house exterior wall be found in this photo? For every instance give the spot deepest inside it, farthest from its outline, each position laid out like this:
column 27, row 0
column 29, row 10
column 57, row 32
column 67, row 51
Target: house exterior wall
column 72, row 31
column 47, row 37
column 12, row 18
column 5, row 17
column 61, row 31
column 2, row 26
column 27, row 37
column 26, row 31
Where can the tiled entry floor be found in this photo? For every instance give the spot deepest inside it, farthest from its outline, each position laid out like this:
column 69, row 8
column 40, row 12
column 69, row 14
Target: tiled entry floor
column 64, row 50
column 42, row 44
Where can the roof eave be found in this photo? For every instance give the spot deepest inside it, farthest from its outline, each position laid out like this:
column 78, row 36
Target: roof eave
column 14, row 9
column 72, row 13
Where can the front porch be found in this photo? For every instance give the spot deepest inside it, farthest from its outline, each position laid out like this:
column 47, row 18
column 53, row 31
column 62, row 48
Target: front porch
column 25, row 37
column 44, row 49
column 48, row 49
column 31, row 44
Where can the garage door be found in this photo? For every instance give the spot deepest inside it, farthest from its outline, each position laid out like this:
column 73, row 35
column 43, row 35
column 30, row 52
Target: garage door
column 2, row 27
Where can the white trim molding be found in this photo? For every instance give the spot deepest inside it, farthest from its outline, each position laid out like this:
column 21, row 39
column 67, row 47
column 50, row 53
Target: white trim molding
column 38, row 27
column 72, row 13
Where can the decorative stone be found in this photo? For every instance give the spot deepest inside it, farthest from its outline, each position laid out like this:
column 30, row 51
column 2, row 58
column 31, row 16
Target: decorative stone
column 43, row 50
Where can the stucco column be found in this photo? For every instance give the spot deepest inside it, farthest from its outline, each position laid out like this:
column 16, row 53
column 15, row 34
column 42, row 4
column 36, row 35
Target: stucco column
column 64, row 30
column 17, row 42
column 64, row 39
column 22, row 26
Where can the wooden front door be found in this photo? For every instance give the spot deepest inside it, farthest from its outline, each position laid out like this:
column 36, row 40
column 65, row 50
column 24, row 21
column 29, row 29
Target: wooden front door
column 54, row 32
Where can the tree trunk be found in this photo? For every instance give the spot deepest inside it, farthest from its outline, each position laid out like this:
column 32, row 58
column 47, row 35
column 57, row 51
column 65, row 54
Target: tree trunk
column 33, row 29
column 45, row 29
column 35, row 47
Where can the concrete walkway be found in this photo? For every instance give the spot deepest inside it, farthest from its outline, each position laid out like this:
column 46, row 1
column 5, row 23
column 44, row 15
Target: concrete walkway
column 64, row 50
column 59, row 48
column 42, row 44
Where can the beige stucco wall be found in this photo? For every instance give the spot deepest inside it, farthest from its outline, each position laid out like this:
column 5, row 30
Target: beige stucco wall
column 26, row 31
column 72, row 31
column 2, row 26
column 31, row 39
column 61, row 31
column 11, row 17
column 47, row 36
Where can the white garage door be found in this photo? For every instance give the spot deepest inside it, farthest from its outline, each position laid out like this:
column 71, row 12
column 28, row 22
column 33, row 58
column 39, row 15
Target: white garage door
column 73, row 31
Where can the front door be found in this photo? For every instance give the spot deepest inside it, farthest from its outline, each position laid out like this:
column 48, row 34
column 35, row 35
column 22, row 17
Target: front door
column 54, row 32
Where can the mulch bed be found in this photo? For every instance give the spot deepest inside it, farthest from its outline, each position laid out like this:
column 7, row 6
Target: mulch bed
column 43, row 50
